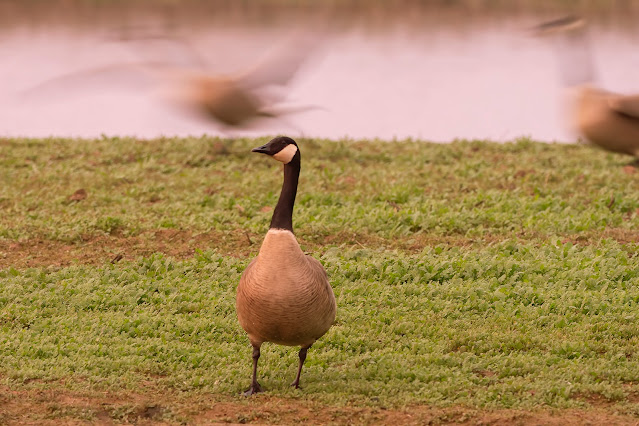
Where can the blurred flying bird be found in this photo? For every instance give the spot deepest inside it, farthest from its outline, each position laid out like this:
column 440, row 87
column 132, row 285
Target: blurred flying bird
column 608, row 120
column 232, row 100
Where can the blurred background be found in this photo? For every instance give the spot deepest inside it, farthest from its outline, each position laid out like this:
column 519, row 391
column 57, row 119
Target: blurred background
column 435, row 70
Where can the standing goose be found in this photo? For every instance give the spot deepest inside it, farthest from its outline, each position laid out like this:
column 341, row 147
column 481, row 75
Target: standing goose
column 284, row 296
column 608, row 120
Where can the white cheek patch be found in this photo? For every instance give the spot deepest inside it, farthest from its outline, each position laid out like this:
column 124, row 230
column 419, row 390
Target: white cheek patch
column 287, row 154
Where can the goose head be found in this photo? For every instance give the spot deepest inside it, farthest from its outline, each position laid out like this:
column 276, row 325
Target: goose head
column 281, row 148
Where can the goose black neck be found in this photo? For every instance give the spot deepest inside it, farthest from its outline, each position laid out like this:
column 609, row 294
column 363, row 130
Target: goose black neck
column 283, row 213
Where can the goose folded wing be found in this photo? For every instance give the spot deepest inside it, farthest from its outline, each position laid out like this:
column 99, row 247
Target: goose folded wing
column 627, row 105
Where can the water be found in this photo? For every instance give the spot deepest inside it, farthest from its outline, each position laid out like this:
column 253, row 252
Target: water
column 474, row 80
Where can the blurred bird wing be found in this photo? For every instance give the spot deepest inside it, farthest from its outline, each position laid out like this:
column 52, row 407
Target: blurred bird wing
column 567, row 23
column 284, row 109
column 627, row 105
column 279, row 66
column 130, row 76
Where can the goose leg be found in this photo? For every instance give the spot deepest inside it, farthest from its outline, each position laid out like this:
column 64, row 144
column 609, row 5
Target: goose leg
column 255, row 386
column 302, row 355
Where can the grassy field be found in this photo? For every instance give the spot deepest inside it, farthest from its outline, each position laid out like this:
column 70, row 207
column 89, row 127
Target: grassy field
column 475, row 282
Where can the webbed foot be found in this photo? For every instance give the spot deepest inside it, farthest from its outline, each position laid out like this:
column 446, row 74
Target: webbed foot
column 253, row 389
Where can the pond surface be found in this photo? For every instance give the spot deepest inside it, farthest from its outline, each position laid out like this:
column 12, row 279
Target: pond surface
column 488, row 80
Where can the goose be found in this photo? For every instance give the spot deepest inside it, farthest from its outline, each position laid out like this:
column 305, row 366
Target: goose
column 284, row 296
column 236, row 99
column 184, row 81
column 608, row 120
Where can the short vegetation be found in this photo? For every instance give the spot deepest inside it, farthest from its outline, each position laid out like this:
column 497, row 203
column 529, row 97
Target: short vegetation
column 472, row 273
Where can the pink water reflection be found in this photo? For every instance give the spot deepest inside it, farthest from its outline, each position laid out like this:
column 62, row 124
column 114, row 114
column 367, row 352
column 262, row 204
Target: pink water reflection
column 485, row 82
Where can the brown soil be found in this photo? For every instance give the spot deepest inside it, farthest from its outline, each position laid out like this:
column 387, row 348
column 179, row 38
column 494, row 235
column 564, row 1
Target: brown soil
column 49, row 407
column 180, row 244
column 99, row 249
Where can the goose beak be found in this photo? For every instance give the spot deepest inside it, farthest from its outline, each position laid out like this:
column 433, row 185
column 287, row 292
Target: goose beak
column 264, row 149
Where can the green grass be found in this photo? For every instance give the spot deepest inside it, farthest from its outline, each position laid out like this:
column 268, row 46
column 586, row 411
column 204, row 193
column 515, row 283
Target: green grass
column 511, row 325
column 533, row 304
column 376, row 189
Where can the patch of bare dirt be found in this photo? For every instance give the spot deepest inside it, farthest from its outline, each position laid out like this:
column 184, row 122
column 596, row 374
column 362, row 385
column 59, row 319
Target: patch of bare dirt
column 102, row 249
column 49, row 407
column 622, row 236
column 181, row 244
column 53, row 407
column 79, row 195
